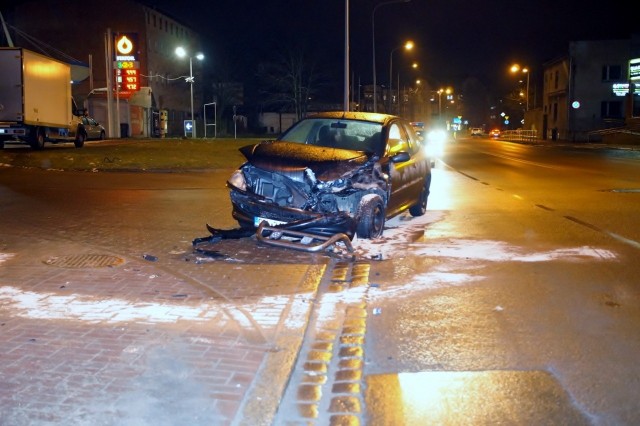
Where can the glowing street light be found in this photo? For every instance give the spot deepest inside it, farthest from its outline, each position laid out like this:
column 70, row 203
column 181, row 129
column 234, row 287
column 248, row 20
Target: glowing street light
column 515, row 68
column 181, row 53
column 373, row 47
column 408, row 46
column 440, row 92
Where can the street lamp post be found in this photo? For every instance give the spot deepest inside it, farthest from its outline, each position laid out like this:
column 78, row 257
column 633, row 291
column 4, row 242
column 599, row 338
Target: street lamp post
column 408, row 46
column 440, row 92
column 373, row 47
column 346, row 55
column 181, row 52
column 516, row 68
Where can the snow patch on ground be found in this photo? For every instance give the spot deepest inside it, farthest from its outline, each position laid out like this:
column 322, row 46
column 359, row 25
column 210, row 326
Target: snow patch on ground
column 406, row 235
column 498, row 251
column 50, row 306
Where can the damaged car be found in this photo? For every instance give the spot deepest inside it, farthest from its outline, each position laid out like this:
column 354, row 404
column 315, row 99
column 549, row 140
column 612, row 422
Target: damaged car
column 331, row 173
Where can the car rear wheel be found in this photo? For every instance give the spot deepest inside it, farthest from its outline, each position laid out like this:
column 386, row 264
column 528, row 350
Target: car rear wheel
column 102, row 135
column 371, row 215
column 420, row 207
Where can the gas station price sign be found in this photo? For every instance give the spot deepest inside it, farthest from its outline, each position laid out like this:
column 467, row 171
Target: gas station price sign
column 125, row 66
column 130, row 80
column 127, row 80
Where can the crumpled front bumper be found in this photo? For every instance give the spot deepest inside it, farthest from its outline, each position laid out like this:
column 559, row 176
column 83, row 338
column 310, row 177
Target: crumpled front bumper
column 246, row 209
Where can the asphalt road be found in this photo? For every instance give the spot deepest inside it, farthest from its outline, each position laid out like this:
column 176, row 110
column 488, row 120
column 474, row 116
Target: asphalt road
column 514, row 299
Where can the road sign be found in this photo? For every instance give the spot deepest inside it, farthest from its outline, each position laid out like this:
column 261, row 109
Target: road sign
column 189, row 127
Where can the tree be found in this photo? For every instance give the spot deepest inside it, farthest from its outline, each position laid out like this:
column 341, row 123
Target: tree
column 289, row 83
column 227, row 94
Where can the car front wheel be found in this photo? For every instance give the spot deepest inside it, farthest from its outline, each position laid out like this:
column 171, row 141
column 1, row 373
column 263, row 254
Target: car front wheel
column 79, row 141
column 371, row 215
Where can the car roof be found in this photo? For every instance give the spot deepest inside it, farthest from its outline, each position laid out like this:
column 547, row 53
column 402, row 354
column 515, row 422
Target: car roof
column 355, row 115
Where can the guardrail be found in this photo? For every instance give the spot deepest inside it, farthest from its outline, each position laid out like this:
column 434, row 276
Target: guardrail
column 519, row 135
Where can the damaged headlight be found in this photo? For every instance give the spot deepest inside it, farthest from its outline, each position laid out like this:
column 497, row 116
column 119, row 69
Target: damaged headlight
column 238, row 181
column 335, row 185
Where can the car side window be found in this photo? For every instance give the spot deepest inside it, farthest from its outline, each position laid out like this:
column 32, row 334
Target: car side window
column 397, row 140
column 412, row 139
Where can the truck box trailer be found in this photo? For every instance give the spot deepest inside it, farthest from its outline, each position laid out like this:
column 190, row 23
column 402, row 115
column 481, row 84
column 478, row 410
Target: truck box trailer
column 36, row 105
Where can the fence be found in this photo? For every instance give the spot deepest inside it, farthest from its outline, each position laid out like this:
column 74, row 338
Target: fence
column 519, row 135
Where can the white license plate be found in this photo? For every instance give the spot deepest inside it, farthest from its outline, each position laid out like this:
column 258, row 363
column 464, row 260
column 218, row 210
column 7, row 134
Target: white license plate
column 271, row 222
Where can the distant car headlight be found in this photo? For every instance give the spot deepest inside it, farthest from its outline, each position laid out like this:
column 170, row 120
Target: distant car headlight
column 438, row 136
column 237, row 181
column 435, row 142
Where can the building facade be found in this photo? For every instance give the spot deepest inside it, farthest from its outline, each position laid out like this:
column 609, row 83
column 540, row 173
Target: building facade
column 583, row 92
column 81, row 30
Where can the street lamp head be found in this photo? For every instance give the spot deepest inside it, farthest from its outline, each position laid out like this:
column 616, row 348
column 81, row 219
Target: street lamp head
column 181, row 52
column 408, row 45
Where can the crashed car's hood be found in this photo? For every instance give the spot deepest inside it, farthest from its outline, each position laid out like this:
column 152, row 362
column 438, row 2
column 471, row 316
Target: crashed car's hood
column 326, row 163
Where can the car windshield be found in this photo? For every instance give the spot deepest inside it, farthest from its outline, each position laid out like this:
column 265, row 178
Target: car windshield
column 345, row 134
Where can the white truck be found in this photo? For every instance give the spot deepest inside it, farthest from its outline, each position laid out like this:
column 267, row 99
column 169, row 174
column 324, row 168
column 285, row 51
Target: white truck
column 36, row 105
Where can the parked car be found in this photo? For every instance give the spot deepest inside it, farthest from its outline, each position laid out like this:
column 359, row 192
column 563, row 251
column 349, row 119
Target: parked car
column 333, row 172
column 92, row 128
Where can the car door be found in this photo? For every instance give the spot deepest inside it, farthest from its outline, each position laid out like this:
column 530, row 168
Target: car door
column 407, row 177
column 87, row 127
column 93, row 130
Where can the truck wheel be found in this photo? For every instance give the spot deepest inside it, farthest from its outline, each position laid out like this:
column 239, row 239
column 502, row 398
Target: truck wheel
column 37, row 139
column 371, row 217
column 79, row 142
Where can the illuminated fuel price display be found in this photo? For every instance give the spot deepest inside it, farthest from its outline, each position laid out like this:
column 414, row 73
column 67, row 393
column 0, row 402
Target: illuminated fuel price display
column 128, row 80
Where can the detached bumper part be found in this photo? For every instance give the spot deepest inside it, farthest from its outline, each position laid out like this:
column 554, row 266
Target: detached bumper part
column 298, row 240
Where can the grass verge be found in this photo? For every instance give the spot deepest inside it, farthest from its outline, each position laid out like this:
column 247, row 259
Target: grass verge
column 130, row 154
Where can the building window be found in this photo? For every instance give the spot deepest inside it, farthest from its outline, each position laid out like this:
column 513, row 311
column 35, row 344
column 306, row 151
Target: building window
column 611, row 109
column 556, row 80
column 555, row 112
column 611, row 73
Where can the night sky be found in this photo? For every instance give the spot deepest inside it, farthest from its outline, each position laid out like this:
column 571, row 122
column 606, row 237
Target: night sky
column 454, row 39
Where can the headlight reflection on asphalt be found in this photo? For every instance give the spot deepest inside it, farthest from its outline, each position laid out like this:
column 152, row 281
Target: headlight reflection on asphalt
column 442, row 196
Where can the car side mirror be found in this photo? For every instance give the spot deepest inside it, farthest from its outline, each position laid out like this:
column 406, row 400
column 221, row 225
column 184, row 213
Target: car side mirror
column 400, row 157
